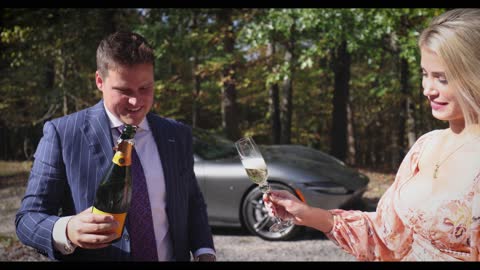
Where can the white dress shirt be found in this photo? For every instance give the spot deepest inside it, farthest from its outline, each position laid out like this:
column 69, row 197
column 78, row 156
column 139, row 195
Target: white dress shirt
column 152, row 166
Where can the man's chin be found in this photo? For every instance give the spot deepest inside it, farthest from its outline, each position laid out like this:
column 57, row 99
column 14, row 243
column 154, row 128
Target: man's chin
column 131, row 121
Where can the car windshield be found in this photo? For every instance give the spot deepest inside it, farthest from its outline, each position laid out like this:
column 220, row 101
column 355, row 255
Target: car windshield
column 211, row 146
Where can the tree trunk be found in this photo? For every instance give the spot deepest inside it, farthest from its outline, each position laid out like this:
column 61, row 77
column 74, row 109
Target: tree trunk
column 351, row 153
column 109, row 25
column 275, row 113
column 196, row 80
column 229, row 92
column 61, row 81
column 399, row 152
column 196, row 93
column 341, row 70
column 286, row 108
column 410, row 129
column 287, row 102
column 274, row 99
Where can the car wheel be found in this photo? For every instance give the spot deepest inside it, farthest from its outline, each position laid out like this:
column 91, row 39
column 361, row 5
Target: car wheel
column 256, row 219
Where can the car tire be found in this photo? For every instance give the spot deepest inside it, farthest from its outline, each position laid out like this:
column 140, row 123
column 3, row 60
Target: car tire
column 256, row 219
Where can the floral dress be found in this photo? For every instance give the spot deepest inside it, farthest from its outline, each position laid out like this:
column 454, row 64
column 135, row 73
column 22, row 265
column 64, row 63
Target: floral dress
column 438, row 230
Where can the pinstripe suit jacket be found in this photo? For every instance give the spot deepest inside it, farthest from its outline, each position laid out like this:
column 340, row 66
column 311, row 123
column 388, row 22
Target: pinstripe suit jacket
column 70, row 160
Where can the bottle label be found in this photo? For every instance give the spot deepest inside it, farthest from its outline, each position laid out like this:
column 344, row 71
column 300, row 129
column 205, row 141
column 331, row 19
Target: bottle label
column 121, row 159
column 120, row 218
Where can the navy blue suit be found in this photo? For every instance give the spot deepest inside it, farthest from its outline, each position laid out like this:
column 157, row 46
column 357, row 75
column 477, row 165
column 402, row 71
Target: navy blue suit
column 70, row 160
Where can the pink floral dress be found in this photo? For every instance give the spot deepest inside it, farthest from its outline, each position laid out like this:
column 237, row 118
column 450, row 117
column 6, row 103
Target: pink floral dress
column 440, row 230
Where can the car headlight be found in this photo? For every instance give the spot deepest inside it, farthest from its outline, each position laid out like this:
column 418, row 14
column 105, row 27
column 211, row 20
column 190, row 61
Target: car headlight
column 327, row 188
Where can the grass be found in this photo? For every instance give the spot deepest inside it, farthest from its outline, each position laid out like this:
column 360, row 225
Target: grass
column 7, row 241
column 13, row 179
column 12, row 168
column 13, row 173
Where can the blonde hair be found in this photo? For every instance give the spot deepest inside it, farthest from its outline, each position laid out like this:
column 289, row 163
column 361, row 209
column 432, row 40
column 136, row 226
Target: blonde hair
column 455, row 37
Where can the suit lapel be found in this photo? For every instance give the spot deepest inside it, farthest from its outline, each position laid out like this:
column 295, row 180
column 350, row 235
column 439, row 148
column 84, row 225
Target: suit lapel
column 97, row 131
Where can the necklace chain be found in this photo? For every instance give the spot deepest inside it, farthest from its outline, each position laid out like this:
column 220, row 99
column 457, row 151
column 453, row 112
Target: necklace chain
column 439, row 163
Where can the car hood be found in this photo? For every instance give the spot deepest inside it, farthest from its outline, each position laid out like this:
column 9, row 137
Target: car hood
column 300, row 151
column 301, row 162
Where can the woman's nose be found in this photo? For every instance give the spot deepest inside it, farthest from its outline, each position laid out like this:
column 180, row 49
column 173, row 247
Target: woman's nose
column 428, row 89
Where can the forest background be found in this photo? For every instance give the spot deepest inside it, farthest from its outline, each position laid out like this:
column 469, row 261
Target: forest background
column 345, row 81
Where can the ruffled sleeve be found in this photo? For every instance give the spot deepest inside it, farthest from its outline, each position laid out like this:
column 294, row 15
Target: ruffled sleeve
column 380, row 235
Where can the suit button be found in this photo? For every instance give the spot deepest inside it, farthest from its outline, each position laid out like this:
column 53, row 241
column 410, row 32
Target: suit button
column 126, row 237
column 68, row 249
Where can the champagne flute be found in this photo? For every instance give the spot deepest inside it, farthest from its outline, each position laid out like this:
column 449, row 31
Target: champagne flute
column 256, row 168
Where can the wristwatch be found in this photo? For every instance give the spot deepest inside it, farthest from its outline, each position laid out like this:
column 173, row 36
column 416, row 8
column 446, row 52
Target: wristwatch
column 206, row 257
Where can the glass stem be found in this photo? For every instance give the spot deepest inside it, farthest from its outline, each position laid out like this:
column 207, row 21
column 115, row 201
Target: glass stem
column 265, row 188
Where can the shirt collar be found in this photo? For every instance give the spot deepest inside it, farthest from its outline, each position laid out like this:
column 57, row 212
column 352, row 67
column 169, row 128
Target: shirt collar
column 115, row 122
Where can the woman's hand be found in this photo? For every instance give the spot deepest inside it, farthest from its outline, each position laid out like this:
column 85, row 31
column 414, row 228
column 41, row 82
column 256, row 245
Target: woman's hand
column 285, row 205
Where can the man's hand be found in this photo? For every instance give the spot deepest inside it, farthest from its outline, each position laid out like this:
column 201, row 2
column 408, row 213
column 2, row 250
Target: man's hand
column 91, row 231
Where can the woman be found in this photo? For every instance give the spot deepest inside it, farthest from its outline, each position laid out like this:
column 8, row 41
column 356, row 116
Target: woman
column 429, row 211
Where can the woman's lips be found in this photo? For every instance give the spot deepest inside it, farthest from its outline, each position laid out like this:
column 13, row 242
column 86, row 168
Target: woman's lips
column 438, row 105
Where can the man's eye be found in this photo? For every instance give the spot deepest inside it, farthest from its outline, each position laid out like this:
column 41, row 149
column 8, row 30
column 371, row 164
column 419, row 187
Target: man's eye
column 121, row 91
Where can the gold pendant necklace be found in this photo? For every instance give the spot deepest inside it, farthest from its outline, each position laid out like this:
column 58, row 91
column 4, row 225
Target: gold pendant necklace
column 435, row 173
column 439, row 163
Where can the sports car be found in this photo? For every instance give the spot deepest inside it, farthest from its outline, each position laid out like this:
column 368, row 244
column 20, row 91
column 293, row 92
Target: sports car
column 233, row 200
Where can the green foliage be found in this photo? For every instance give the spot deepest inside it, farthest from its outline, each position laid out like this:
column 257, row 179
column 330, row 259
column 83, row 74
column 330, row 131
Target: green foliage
column 49, row 54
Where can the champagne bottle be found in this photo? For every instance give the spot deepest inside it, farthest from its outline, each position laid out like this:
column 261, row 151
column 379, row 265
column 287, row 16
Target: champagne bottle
column 115, row 190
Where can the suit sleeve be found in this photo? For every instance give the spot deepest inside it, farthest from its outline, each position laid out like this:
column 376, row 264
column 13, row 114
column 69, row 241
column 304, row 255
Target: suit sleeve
column 200, row 234
column 40, row 206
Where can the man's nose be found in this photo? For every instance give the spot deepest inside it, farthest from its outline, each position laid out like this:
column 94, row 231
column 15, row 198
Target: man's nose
column 133, row 100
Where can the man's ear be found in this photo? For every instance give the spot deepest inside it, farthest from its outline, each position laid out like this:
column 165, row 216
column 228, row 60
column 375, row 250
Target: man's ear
column 99, row 81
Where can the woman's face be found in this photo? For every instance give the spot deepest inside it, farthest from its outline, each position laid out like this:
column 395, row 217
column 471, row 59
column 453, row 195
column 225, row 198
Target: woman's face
column 440, row 94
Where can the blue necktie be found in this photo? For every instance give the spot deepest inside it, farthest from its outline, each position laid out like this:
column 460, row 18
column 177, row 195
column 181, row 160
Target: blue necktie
column 140, row 225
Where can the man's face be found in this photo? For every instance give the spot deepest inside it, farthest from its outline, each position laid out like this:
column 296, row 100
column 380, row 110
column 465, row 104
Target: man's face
column 128, row 91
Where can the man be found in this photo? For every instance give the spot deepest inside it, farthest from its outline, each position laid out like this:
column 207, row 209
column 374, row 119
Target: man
column 55, row 216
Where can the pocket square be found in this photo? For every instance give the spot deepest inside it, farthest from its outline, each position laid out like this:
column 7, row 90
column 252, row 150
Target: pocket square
column 171, row 140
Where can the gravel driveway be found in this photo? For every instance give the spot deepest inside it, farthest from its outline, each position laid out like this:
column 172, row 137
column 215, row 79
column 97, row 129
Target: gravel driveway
column 235, row 245
column 231, row 244
column 238, row 245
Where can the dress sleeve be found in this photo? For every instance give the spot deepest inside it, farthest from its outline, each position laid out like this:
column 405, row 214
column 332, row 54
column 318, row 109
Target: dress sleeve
column 380, row 235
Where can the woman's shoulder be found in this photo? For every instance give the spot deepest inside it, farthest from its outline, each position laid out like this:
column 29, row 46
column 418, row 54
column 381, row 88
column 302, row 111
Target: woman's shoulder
column 419, row 145
column 429, row 135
